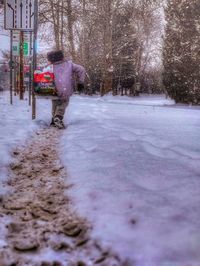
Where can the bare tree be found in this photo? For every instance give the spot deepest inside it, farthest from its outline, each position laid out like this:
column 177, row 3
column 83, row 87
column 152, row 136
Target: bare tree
column 116, row 40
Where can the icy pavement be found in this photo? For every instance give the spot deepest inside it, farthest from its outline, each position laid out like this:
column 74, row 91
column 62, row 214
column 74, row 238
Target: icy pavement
column 136, row 174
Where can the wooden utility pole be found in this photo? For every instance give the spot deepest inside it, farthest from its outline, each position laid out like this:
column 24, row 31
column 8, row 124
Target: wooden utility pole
column 34, row 56
column 11, row 67
column 30, row 87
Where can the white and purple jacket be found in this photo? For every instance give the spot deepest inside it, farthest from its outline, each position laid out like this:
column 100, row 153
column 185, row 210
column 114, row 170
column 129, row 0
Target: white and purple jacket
column 64, row 72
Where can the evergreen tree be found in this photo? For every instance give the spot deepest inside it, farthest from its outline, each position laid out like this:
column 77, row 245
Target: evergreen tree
column 181, row 55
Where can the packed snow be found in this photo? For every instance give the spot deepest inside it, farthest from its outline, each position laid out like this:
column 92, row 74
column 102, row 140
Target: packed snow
column 134, row 166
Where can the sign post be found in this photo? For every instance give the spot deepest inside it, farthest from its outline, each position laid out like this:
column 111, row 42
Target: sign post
column 11, row 68
column 30, row 87
column 22, row 16
column 34, row 56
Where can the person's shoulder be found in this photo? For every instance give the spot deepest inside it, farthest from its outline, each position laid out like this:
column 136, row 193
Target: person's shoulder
column 68, row 62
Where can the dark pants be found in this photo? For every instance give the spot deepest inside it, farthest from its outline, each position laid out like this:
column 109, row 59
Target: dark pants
column 58, row 107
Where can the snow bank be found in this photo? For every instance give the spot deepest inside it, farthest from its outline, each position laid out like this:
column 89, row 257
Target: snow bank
column 16, row 126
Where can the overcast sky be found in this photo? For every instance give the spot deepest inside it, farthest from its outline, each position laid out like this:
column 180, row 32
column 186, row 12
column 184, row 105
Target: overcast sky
column 4, row 37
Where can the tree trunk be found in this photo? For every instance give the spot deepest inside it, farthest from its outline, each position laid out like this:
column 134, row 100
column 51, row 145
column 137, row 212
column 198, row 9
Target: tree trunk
column 107, row 71
column 70, row 29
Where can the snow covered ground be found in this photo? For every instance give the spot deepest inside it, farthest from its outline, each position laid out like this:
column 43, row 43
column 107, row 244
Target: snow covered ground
column 136, row 174
column 134, row 164
column 15, row 126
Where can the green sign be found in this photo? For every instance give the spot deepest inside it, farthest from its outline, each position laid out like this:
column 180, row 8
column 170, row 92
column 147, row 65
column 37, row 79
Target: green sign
column 15, row 48
column 26, row 48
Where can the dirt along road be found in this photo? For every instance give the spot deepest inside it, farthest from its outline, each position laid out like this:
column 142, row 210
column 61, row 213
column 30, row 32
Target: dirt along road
column 40, row 225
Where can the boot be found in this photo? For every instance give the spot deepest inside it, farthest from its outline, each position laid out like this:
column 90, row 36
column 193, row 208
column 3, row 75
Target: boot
column 52, row 124
column 58, row 122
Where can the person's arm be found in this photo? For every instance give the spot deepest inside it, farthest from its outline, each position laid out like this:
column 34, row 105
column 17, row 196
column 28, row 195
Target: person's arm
column 80, row 72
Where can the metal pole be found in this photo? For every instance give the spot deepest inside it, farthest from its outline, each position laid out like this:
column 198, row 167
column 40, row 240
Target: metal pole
column 34, row 55
column 21, row 92
column 17, row 76
column 11, row 67
column 15, row 83
column 30, row 71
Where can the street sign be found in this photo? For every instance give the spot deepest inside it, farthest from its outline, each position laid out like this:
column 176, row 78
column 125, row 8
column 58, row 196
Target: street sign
column 26, row 48
column 19, row 14
column 15, row 49
column 15, row 43
column 26, row 44
column 16, row 36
